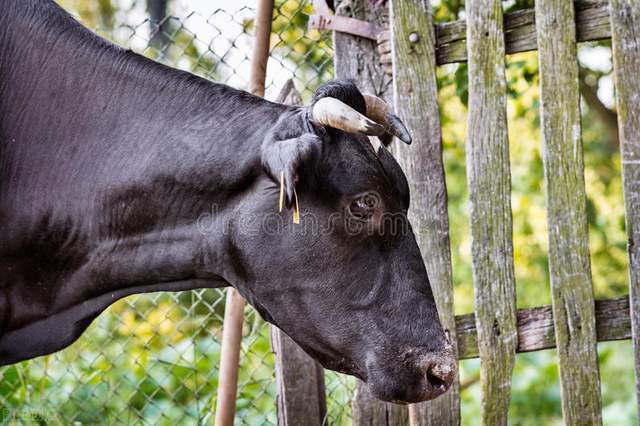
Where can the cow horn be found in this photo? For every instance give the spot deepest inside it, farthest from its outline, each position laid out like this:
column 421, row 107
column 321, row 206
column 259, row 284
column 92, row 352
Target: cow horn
column 334, row 113
column 379, row 111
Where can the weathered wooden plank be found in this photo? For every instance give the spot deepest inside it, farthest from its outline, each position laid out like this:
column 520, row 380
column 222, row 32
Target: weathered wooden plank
column 369, row 411
column 625, row 22
column 289, row 95
column 569, row 264
column 357, row 58
column 536, row 331
column 488, row 174
column 592, row 21
column 416, row 102
column 300, row 380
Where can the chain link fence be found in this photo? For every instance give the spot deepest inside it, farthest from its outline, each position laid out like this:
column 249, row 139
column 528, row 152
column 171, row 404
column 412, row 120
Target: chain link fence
column 153, row 359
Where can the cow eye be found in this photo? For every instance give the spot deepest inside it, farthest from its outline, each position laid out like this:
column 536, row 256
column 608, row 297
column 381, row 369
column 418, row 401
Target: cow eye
column 363, row 207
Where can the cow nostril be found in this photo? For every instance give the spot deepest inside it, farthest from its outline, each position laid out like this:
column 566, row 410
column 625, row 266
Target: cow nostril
column 436, row 382
column 440, row 374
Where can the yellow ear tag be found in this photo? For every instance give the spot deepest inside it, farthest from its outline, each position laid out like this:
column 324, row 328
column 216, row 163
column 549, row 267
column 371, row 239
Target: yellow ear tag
column 296, row 208
column 281, row 199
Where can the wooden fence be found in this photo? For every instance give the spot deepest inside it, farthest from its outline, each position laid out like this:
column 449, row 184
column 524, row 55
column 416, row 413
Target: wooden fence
column 574, row 323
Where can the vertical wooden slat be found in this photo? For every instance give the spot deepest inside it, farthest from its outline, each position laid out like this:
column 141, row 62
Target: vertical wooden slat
column 369, row 411
column 300, row 379
column 569, row 264
column 416, row 91
column 357, row 58
column 488, row 173
column 625, row 34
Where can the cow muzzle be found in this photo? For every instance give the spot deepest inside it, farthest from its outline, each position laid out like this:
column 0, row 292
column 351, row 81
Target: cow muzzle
column 422, row 376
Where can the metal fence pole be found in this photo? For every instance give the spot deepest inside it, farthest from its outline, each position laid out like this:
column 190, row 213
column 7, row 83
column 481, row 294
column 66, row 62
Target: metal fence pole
column 230, row 358
column 234, row 308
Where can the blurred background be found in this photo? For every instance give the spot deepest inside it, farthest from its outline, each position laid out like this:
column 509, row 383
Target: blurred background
column 154, row 358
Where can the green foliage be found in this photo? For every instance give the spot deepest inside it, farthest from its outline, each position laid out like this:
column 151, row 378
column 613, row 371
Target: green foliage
column 150, row 359
column 535, row 396
column 308, row 52
column 94, row 14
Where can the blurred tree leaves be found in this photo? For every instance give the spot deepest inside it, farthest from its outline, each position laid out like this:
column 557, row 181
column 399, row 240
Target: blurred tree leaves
column 93, row 13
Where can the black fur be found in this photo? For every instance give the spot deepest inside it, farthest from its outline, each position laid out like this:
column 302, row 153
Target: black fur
column 119, row 175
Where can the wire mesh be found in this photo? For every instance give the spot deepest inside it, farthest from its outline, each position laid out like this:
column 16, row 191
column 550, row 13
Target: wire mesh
column 153, row 359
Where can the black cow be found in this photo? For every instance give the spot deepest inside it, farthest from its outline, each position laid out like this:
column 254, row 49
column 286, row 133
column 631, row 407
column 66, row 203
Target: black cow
column 119, row 175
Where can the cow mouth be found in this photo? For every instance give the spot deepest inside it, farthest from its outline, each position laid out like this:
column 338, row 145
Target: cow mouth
column 429, row 388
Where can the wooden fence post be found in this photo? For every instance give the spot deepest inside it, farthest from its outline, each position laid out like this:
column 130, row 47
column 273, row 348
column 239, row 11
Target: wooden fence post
column 625, row 21
column 569, row 264
column 416, row 102
column 300, row 379
column 369, row 411
column 357, row 58
column 488, row 173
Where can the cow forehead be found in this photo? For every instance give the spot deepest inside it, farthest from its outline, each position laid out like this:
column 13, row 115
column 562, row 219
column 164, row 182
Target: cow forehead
column 356, row 168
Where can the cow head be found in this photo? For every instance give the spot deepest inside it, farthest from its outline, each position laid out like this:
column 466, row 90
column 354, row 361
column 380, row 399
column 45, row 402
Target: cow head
column 347, row 282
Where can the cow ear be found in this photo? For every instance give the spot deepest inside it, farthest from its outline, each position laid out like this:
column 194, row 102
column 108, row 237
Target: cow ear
column 284, row 159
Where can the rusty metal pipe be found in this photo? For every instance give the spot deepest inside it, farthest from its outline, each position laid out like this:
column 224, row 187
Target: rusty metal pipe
column 234, row 308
